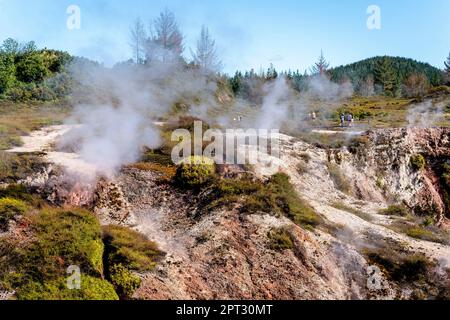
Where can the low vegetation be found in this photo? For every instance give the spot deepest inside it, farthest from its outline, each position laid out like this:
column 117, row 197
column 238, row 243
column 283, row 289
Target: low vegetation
column 280, row 239
column 167, row 171
column 15, row 167
column 417, row 162
column 399, row 267
column 324, row 141
column 9, row 210
column 395, row 210
column 339, row 179
column 37, row 269
column 195, row 173
column 61, row 238
column 422, row 228
column 411, row 271
column 19, row 119
column 126, row 252
column 306, row 157
column 444, row 173
column 275, row 196
column 91, row 288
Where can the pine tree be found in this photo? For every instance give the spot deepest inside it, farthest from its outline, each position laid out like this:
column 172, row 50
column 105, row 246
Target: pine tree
column 385, row 76
column 447, row 65
column 271, row 73
column 321, row 66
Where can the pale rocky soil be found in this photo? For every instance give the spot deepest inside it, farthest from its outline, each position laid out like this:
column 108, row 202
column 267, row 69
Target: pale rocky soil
column 225, row 255
column 317, row 187
column 44, row 140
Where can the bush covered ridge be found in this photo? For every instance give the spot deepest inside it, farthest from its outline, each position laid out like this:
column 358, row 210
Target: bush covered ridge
column 389, row 73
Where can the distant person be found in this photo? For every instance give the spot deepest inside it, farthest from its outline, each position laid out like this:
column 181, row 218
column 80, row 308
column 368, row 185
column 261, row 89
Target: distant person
column 313, row 116
column 350, row 119
column 342, row 116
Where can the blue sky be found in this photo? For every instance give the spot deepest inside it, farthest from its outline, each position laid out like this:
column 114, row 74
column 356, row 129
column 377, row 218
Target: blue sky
column 249, row 33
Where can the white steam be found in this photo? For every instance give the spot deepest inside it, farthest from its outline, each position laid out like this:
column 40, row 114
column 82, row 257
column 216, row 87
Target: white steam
column 425, row 115
column 275, row 106
column 118, row 107
column 320, row 87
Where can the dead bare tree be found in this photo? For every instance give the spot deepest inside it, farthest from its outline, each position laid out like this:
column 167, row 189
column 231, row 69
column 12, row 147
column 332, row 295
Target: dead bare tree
column 166, row 41
column 137, row 40
column 205, row 55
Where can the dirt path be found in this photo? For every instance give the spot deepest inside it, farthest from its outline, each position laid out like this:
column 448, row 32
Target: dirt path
column 44, row 140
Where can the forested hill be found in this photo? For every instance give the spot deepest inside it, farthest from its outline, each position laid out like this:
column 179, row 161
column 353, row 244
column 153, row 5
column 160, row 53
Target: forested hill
column 394, row 69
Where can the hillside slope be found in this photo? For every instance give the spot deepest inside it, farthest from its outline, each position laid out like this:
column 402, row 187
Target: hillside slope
column 401, row 67
column 225, row 253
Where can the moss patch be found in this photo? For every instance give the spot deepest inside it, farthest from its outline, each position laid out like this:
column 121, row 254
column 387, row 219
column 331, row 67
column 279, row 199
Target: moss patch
column 280, row 239
column 417, row 162
column 10, row 209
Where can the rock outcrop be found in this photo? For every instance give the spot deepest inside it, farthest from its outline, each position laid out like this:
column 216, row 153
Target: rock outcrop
column 386, row 159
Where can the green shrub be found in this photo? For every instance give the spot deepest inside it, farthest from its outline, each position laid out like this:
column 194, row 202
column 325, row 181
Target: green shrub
column 195, row 173
column 72, row 236
column 285, row 198
column 280, row 239
column 395, row 210
column 31, row 68
column 417, row 162
column 129, row 248
column 125, row 251
column 61, row 238
column 16, row 191
column 422, row 233
column 399, row 267
column 91, row 289
column 124, row 281
column 276, row 196
column 9, row 209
